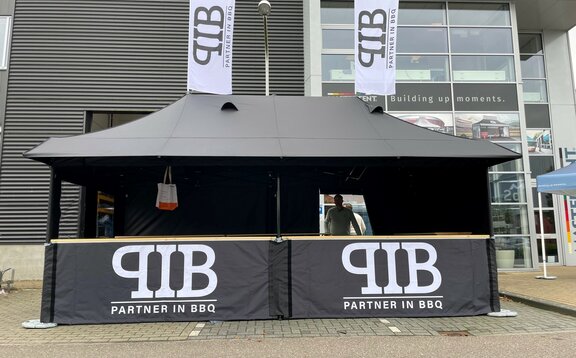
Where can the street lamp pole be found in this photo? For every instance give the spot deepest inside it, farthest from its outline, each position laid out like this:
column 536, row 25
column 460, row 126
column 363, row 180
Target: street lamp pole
column 264, row 9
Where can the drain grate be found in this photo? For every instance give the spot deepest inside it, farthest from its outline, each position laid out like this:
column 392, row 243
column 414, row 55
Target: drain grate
column 454, row 333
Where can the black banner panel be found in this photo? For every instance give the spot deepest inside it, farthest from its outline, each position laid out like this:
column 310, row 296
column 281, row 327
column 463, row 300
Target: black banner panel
column 157, row 281
column 390, row 278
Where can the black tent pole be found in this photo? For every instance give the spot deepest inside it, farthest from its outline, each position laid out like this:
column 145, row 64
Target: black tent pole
column 278, row 229
column 53, row 229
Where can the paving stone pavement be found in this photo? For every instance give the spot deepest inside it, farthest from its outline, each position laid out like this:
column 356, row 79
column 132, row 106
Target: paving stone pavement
column 24, row 304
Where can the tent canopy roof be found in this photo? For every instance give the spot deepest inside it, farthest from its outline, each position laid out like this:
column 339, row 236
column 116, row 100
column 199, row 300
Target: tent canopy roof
column 234, row 127
column 561, row 181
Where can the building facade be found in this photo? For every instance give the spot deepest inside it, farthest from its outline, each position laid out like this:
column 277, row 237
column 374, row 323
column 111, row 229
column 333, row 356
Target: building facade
column 488, row 70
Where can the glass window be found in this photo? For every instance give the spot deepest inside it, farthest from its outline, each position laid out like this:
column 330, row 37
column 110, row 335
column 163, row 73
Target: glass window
column 521, row 255
column 532, row 66
column 490, row 126
column 547, row 201
column 479, row 14
column 422, row 40
column 551, row 247
column 507, row 188
column 513, row 165
column 338, row 67
column 539, row 141
column 510, row 219
column 338, row 39
column 537, row 115
column 438, row 122
column 530, row 43
column 422, row 68
column 547, row 221
column 535, row 91
column 483, row 68
column 420, row 13
column 100, row 121
column 476, row 40
column 541, row 165
column 4, row 40
column 337, row 12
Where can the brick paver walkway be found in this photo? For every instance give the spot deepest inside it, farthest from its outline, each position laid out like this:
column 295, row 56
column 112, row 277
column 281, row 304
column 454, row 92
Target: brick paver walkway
column 23, row 305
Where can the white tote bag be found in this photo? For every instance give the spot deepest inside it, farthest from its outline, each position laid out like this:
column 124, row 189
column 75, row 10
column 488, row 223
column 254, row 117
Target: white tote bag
column 167, row 198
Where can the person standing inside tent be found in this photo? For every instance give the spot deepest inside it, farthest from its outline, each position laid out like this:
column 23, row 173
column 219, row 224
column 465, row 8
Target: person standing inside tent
column 359, row 220
column 339, row 218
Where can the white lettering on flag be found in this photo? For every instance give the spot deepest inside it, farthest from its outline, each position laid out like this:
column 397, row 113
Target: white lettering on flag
column 375, row 46
column 210, row 46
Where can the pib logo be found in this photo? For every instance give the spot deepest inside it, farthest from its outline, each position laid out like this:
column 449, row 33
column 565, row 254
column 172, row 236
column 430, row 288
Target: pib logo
column 189, row 270
column 371, row 36
column 208, row 33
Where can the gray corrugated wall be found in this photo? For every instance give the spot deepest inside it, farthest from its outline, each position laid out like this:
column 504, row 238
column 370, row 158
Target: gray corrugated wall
column 69, row 57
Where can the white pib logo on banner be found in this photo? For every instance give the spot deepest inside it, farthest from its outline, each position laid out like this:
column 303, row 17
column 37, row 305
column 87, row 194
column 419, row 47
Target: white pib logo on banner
column 189, row 271
column 390, row 248
column 208, row 33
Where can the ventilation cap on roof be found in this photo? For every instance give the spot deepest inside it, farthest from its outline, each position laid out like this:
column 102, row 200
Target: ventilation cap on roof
column 229, row 106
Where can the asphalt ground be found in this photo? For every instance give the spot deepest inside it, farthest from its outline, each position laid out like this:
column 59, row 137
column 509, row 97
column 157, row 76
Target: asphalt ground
column 543, row 306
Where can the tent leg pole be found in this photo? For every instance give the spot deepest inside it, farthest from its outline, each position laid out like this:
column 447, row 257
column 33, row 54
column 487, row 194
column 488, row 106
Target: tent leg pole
column 52, row 230
column 543, row 247
column 278, row 230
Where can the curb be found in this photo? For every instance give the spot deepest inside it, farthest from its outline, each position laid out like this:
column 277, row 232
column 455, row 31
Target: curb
column 540, row 303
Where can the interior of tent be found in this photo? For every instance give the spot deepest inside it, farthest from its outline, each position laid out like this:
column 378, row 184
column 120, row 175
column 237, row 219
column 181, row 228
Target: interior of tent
column 237, row 200
column 413, row 180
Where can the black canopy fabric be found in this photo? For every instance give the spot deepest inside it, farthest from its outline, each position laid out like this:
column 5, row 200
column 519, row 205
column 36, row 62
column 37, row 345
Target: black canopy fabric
column 265, row 127
column 229, row 153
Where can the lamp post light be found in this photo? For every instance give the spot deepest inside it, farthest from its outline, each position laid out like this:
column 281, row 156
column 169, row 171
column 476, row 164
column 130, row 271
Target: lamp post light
column 264, row 9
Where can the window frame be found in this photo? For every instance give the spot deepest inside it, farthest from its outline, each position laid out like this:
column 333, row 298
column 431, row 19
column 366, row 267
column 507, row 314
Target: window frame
column 5, row 45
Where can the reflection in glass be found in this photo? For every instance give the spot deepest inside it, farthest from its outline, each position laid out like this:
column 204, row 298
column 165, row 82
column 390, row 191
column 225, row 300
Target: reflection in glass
column 540, row 164
column 510, row 219
column 421, row 13
column 481, row 40
column 547, row 201
column 551, row 247
column 338, row 67
column 422, row 68
column 530, row 43
column 513, row 165
column 507, row 188
column 521, row 256
column 338, row 39
column 537, row 115
column 539, row 141
column 438, row 122
column 535, row 91
column 100, row 121
column 422, row 40
column 4, row 28
column 337, row 12
column 548, row 221
column 532, row 66
column 479, row 14
column 489, row 126
column 483, row 68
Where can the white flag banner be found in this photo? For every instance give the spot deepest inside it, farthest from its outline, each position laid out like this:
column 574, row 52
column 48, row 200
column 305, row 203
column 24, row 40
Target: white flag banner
column 375, row 58
column 210, row 46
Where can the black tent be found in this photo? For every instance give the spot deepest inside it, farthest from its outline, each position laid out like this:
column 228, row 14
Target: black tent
column 231, row 157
